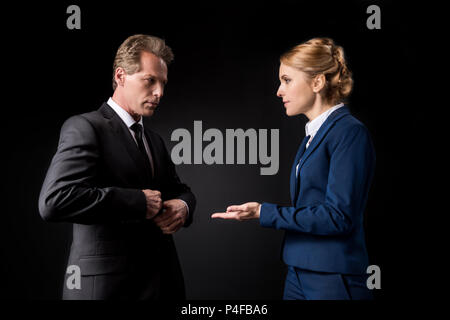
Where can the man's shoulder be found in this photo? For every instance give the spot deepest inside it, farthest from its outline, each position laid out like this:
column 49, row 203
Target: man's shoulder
column 95, row 115
column 94, row 118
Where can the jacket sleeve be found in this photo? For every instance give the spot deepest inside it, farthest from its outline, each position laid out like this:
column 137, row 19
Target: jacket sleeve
column 351, row 170
column 69, row 192
column 173, row 188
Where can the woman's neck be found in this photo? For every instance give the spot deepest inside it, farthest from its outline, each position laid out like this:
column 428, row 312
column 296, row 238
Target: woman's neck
column 317, row 109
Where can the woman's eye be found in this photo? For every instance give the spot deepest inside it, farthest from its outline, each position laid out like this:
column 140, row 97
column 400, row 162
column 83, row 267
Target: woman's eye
column 287, row 80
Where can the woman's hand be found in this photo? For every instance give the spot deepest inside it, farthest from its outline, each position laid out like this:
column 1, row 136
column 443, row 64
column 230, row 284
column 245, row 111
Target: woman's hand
column 246, row 211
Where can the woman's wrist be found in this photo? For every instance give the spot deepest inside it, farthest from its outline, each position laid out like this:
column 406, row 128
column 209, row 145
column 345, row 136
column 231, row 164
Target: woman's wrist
column 258, row 210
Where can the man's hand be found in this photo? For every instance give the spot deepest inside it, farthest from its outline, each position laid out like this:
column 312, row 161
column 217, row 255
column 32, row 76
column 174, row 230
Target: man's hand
column 154, row 202
column 173, row 216
column 246, row 211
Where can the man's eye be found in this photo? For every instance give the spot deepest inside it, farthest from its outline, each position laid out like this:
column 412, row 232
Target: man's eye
column 151, row 80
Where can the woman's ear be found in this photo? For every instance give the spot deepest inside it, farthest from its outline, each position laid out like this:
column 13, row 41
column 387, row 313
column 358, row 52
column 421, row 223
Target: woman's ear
column 318, row 83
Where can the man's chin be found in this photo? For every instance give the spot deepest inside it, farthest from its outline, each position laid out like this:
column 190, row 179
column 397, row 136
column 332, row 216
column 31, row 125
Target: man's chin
column 148, row 112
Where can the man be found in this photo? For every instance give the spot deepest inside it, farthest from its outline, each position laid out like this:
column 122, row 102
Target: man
column 113, row 178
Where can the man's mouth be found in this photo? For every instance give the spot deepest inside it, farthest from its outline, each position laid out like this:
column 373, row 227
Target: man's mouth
column 152, row 104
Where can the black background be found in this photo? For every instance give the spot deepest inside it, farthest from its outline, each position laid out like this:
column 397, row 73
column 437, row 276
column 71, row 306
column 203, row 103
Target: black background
column 225, row 73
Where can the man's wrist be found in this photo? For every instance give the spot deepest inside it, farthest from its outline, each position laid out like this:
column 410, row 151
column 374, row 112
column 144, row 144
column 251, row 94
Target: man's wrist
column 187, row 207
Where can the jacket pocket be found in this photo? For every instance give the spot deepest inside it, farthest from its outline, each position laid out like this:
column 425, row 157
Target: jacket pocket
column 96, row 265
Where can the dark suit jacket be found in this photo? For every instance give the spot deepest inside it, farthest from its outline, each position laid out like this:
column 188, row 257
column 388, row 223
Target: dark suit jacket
column 324, row 224
column 95, row 181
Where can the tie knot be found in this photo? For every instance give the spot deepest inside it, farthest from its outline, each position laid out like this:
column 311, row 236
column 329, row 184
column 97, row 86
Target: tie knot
column 137, row 128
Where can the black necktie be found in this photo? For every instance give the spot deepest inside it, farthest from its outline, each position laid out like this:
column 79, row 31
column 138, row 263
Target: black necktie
column 137, row 128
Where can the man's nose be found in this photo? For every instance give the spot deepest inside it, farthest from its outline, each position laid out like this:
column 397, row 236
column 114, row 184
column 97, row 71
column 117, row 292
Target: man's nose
column 159, row 90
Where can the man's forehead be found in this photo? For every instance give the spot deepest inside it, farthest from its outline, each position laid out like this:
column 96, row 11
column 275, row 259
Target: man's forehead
column 152, row 64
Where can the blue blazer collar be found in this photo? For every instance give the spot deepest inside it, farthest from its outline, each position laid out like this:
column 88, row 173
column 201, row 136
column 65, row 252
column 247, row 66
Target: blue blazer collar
column 323, row 130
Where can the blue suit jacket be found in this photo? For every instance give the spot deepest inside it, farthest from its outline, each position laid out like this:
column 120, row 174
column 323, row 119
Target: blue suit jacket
column 324, row 225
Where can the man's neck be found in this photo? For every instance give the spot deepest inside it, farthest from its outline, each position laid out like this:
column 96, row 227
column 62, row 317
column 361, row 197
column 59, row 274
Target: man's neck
column 118, row 98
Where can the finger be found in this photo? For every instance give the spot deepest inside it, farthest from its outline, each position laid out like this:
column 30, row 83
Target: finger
column 155, row 193
column 168, row 202
column 167, row 221
column 163, row 222
column 153, row 200
column 173, row 204
column 155, row 206
column 226, row 215
column 173, row 227
column 235, row 208
column 156, row 202
column 165, row 213
column 218, row 214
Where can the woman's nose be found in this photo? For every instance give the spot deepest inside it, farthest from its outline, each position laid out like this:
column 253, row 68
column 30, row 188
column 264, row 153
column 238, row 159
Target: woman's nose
column 279, row 92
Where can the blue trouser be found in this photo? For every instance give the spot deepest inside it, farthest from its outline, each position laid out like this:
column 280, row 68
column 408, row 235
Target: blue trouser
column 304, row 284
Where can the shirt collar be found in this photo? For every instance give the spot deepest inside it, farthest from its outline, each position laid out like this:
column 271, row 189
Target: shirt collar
column 124, row 115
column 313, row 126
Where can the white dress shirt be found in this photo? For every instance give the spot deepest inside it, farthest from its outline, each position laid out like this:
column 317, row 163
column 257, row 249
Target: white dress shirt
column 314, row 125
column 129, row 121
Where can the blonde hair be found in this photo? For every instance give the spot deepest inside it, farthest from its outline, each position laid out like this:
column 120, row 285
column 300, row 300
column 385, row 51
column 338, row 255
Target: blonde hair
column 128, row 55
column 322, row 56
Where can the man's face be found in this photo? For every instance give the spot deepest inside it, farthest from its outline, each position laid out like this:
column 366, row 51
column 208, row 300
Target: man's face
column 143, row 90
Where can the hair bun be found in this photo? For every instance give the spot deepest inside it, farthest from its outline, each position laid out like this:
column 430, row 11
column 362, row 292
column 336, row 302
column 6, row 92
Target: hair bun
column 323, row 56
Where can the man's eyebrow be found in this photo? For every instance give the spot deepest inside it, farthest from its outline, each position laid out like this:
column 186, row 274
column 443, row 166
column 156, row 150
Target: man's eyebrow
column 152, row 75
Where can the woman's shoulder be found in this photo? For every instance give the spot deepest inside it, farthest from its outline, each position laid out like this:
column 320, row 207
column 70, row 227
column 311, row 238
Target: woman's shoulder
column 349, row 127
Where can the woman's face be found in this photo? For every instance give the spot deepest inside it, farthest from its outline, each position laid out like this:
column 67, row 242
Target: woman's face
column 295, row 90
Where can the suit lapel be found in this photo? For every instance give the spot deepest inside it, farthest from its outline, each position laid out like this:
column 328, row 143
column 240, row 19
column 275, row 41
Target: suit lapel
column 300, row 152
column 124, row 137
column 320, row 135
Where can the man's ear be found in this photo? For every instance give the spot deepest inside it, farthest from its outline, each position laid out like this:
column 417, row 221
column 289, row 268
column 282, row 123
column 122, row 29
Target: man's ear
column 119, row 76
column 318, row 83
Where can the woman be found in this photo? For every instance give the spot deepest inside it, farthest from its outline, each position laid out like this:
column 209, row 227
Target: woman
column 324, row 245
